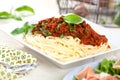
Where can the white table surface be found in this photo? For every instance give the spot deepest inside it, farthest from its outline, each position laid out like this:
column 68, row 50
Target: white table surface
column 45, row 70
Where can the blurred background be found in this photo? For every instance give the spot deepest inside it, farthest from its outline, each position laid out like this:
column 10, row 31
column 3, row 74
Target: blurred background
column 104, row 12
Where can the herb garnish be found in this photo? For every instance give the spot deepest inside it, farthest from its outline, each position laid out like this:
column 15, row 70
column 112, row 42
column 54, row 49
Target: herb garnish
column 84, row 31
column 45, row 32
column 62, row 36
column 25, row 8
column 7, row 15
column 72, row 30
column 10, row 15
column 72, row 19
column 24, row 29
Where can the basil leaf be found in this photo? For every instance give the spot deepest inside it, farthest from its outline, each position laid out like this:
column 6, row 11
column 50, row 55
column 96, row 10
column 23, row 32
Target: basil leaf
column 28, row 27
column 17, row 31
column 17, row 18
column 72, row 30
column 24, row 29
column 73, row 19
column 45, row 32
column 62, row 36
column 8, row 15
column 25, row 8
column 5, row 15
column 71, row 25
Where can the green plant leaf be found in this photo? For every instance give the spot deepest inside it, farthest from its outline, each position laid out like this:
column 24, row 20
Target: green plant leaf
column 9, row 15
column 25, row 8
column 28, row 27
column 72, row 19
column 5, row 15
column 62, row 36
column 24, row 29
column 72, row 30
column 106, row 66
column 17, row 18
column 17, row 31
column 45, row 32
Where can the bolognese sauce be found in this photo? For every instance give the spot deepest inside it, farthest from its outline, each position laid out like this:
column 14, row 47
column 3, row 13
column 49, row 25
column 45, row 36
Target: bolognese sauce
column 57, row 27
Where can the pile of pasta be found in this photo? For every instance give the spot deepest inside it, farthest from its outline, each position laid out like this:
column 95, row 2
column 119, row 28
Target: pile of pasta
column 63, row 49
column 66, row 42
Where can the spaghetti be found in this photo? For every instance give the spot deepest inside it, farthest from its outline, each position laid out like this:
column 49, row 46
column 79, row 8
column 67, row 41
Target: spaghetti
column 76, row 42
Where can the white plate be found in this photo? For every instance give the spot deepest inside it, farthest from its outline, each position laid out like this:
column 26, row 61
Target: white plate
column 71, row 74
column 112, row 37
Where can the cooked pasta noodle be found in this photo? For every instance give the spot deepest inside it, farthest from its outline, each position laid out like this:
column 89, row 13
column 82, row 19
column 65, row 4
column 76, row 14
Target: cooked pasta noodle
column 64, row 49
column 66, row 41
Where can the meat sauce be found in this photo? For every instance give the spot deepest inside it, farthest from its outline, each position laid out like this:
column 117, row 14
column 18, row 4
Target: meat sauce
column 57, row 27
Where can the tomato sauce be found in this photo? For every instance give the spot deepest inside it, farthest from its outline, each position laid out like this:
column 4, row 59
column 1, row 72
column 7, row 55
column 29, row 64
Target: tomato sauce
column 57, row 27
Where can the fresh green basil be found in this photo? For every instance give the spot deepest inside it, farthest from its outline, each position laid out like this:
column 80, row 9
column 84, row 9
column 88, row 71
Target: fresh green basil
column 25, row 8
column 24, row 29
column 45, row 32
column 62, row 36
column 17, row 18
column 17, row 31
column 72, row 19
column 5, row 15
column 72, row 30
column 9, row 15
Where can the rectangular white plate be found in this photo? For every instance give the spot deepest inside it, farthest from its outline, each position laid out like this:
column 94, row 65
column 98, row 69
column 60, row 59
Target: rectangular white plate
column 113, row 39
